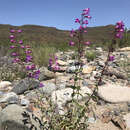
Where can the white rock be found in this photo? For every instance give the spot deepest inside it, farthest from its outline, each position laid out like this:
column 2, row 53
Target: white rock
column 127, row 120
column 114, row 94
column 5, row 84
column 88, row 69
column 62, row 63
column 25, row 102
column 61, row 97
column 10, row 97
column 125, row 49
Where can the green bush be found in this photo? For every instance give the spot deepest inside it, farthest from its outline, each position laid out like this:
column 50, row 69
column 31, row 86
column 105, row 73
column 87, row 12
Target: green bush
column 90, row 55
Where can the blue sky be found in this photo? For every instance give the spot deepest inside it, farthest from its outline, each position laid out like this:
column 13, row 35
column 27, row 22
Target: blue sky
column 62, row 13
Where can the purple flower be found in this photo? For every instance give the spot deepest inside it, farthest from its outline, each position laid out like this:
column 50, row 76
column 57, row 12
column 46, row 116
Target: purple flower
column 28, row 51
column 19, row 31
column 111, row 58
column 119, row 29
column 16, row 60
column 50, row 62
column 27, row 46
column 72, row 32
column 33, row 66
column 36, row 76
column 12, row 36
column 119, row 35
column 28, row 67
column 12, row 46
column 14, row 54
column 56, row 67
column 85, row 22
column 20, row 42
column 41, row 85
column 28, row 58
column 77, row 20
column 89, row 17
column 87, row 43
column 12, row 41
column 30, row 75
column 56, row 58
column 120, row 23
column 12, row 31
column 71, row 43
column 81, row 28
column 22, row 46
column 37, row 72
column 86, row 10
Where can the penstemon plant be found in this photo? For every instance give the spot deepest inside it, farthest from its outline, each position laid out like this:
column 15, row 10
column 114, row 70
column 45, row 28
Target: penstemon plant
column 118, row 34
column 22, row 55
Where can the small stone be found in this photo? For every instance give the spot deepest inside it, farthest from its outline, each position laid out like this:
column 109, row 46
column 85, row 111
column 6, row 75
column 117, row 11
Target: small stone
column 4, row 85
column 91, row 120
column 62, row 63
column 127, row 120
column 88, row 69
column 24, row 102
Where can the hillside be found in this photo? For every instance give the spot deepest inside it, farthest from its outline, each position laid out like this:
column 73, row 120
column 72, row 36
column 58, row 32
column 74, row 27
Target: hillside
column 42, row 34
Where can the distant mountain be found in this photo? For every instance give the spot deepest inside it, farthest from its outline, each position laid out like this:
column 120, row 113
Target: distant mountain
column 43, row 34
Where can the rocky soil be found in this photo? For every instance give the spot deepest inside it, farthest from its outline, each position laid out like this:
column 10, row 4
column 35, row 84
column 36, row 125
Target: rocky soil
column 111, row 112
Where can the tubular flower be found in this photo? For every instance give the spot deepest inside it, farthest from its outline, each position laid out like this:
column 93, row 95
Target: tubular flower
column 41, row 85
column 71, row 43
column 16, row 60
column 87, row 43
column 119, row 29
column 37, row 72
column 12, row 46
column 12, row 31
column 72, row 33
column 50, row 62
column 77, row 20
column 20, row 42
column 28, row 51
column 22, row 46
column 14, row 54
column 28, row 58
column 19, row 31
column 111, row 58
column 12, row 36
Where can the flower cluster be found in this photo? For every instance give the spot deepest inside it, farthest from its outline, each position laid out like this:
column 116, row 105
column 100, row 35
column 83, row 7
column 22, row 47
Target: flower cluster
column 53, row 63
column 119, row 29
column 83, row 22
column 23, row 54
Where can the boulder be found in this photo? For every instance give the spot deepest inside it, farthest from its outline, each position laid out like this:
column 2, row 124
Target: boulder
column 114, row 94
column 127, row 120
column 25, row 85
column 125, row 49
column 14, row 117
column 48, row 88
column 45, row 74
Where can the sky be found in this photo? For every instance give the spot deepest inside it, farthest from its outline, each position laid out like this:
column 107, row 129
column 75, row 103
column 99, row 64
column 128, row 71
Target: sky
column 62, row 13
